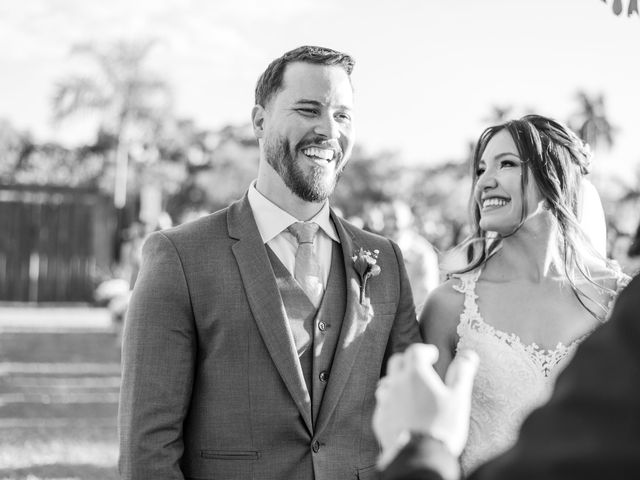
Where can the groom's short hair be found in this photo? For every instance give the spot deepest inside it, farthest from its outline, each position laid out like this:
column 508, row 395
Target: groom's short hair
column 271, row 79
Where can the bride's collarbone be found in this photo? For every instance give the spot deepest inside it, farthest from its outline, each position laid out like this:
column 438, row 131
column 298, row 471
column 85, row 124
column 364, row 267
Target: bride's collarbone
column 536, row 314
column 558, row 288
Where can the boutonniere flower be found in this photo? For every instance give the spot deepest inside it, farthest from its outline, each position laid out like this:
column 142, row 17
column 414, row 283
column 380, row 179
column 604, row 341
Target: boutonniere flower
column 366, row 264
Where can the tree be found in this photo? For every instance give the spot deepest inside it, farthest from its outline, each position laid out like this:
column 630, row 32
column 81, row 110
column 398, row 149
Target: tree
column 499, row 114
column 15, row 147
column 131, row 102
column 591, row 122
column 221, row 166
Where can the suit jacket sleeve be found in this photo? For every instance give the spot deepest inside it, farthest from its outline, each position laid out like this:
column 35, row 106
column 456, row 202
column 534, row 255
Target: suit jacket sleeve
column 159, row 349
column 590, row 429
column 405, row 326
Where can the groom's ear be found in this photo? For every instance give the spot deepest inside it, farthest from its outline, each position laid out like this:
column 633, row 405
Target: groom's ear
column 258, row 114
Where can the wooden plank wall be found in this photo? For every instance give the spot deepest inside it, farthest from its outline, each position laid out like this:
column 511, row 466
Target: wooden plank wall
column 48, row 245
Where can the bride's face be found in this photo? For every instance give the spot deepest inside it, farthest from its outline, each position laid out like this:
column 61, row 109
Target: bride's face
column 498, row 191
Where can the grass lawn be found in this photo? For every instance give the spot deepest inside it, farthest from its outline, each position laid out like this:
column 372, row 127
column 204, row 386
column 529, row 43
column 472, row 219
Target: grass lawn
column 58, row 405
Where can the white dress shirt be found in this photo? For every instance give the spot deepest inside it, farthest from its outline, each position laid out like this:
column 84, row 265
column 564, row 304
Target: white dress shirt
column 273, row 223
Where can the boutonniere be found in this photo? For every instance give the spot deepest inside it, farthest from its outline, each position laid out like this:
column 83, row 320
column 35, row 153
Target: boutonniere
column 366, row 264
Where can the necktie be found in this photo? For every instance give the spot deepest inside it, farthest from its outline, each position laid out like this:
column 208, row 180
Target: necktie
column 307, row 268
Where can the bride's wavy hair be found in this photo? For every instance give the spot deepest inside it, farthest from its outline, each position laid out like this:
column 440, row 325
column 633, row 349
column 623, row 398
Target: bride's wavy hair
column 556, row 159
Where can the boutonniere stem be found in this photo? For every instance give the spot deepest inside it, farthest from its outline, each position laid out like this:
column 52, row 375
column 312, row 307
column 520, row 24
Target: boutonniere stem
column 365, row 263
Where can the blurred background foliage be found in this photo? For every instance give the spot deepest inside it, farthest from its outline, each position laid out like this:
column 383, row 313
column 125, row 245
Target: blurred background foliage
column 153, row 163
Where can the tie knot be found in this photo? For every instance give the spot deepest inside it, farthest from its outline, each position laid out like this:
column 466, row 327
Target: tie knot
column 304, row 232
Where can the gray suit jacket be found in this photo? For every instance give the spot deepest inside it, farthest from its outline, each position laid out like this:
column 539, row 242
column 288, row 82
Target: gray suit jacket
column 212, row 387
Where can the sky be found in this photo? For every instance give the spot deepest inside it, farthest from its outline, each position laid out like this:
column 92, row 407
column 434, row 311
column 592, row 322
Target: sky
column 427, row 74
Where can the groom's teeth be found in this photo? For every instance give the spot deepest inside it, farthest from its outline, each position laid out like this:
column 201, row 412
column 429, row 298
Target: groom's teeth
column 323, row 153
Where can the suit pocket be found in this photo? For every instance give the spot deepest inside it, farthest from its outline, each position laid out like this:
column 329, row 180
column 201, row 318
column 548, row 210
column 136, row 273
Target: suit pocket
column 230, row 454
column 368, row 473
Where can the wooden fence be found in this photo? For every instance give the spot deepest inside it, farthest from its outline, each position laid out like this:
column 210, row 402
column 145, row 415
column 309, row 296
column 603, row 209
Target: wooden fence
column 53, row 241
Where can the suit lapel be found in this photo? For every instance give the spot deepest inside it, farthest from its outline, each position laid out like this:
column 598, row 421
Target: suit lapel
column 353, row 324
column 265, row 303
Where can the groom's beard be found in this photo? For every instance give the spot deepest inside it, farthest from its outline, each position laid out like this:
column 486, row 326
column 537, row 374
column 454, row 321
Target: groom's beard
column 316, row 185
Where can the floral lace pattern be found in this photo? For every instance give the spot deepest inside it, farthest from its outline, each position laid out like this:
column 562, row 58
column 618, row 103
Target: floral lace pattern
column 513, row 378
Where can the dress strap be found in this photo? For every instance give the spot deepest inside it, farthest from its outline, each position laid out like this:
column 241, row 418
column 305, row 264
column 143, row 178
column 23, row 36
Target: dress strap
column 467, row 287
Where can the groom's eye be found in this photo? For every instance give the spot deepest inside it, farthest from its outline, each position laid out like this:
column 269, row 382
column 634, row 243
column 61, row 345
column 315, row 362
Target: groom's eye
column 345, row 117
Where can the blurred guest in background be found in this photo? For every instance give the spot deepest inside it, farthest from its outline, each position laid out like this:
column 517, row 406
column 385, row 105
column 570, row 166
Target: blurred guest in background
column 634, row 249
column 395, row 220
column 534, row 287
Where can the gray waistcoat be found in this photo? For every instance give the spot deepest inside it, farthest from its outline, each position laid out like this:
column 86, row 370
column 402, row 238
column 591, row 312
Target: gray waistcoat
column 315, row 331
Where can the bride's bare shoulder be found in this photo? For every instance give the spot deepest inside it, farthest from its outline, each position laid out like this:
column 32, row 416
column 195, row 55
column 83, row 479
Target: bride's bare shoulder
column 444, row 304
column 439, row 321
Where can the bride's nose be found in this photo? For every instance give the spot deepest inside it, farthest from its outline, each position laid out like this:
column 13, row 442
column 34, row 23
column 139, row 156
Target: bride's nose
column 486, row 180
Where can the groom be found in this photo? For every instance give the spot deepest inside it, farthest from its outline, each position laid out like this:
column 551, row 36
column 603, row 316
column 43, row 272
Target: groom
column 256, row 336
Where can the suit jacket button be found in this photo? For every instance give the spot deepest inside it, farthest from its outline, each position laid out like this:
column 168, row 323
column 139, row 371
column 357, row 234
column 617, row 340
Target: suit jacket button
column 315, row 447
column 322, row 326
column 324, row 376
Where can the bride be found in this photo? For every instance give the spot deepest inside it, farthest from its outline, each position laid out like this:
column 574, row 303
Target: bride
column 533, row 286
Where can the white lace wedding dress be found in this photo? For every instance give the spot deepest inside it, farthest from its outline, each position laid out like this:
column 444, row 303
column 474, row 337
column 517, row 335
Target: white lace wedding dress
column 512, row 379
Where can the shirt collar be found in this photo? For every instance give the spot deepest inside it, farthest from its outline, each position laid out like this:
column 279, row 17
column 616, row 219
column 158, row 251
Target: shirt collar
column 272, row 220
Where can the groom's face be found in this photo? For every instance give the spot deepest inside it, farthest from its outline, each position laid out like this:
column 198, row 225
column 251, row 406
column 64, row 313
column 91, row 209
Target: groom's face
column 308, row 132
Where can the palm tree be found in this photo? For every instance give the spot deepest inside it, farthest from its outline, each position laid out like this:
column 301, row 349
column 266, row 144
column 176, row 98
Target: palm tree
column 591, row 122
column 499, row 114
column 128, row 99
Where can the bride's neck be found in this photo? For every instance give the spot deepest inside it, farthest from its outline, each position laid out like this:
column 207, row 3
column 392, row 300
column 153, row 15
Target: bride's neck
column 533, row 251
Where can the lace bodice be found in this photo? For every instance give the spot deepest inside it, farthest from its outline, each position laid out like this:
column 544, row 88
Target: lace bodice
column 513, row 379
